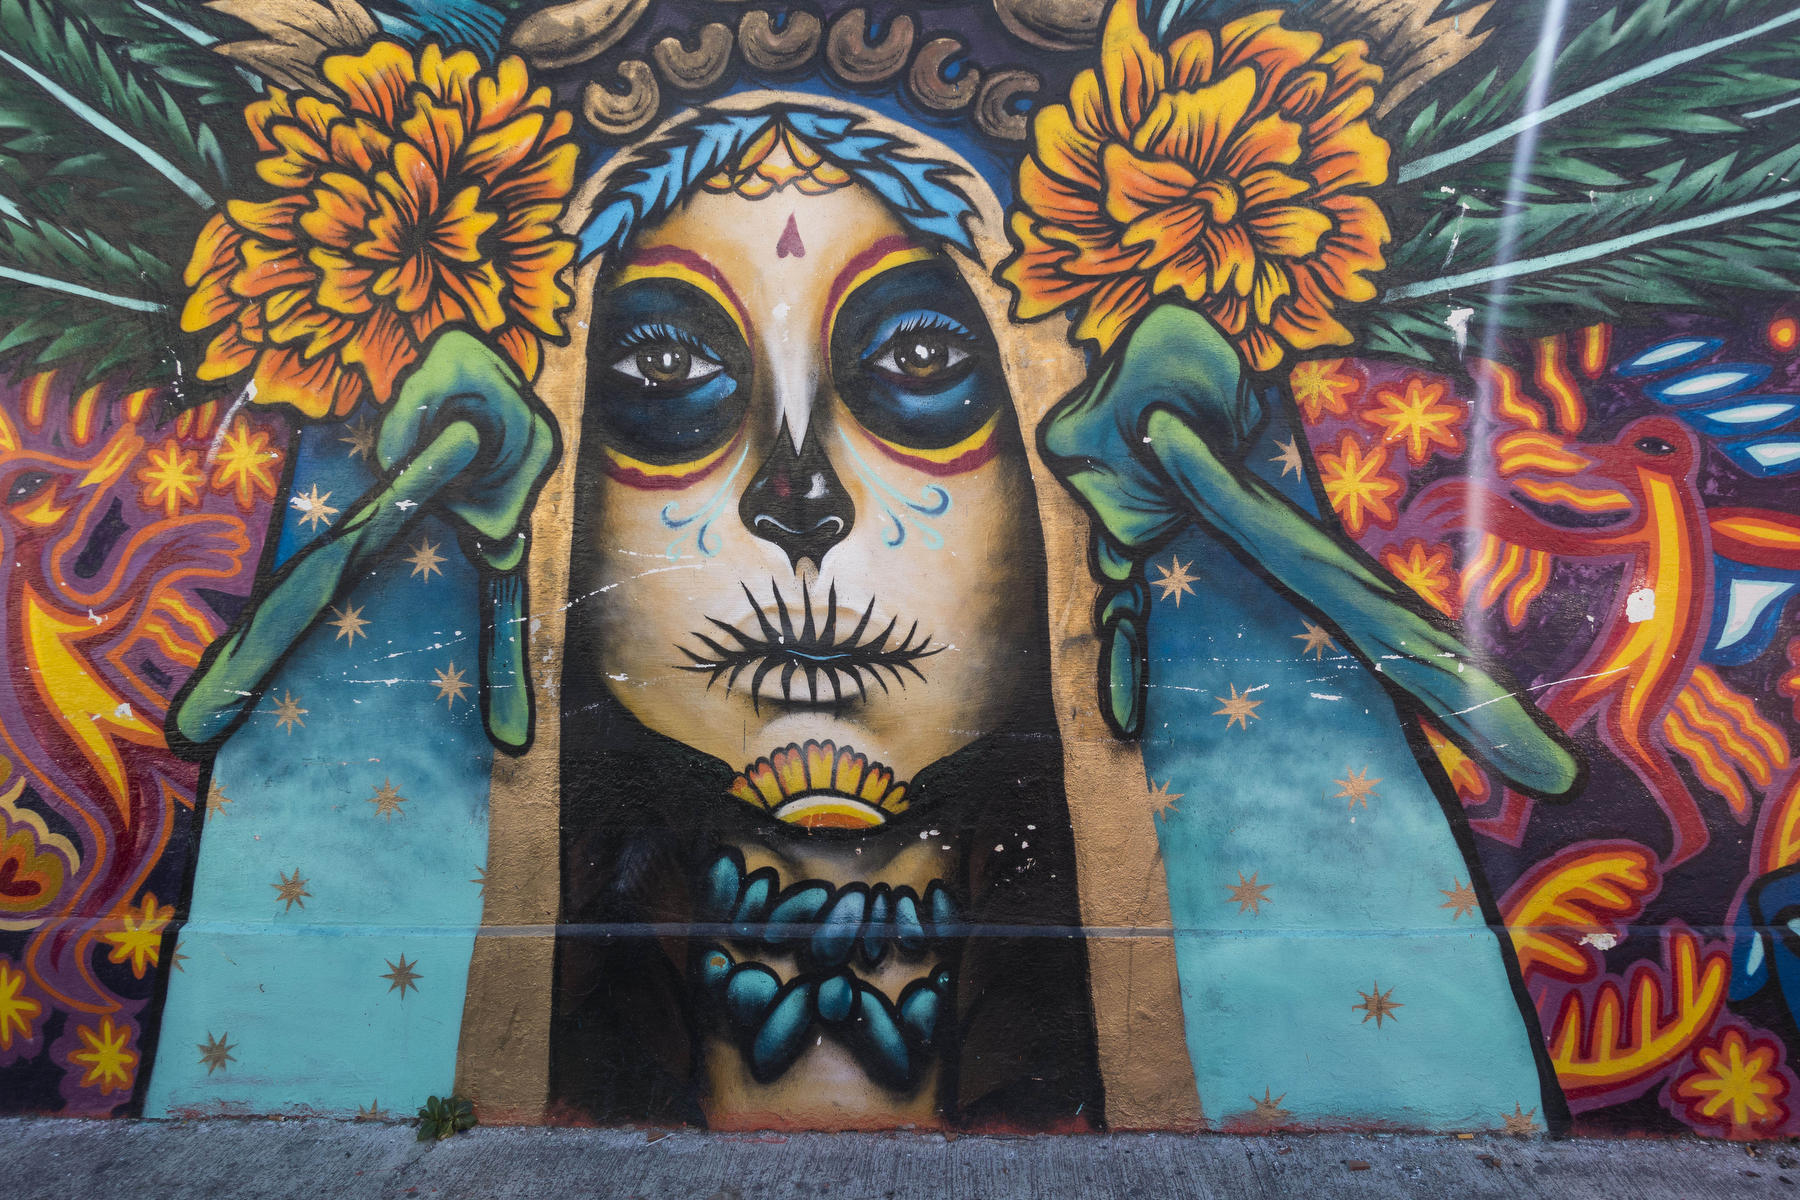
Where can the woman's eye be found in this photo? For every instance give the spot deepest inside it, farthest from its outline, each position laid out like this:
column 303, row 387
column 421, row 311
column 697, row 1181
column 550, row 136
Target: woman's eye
column 923, row 356
column 667, row 364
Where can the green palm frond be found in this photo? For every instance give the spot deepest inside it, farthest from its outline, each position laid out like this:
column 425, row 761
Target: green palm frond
column 1672, row 241
column 1659, row 166
column 67, row 89
column 72, row 297
column 119, row 132
column 171, row 38
column 1640, row 72
column 1720, row 97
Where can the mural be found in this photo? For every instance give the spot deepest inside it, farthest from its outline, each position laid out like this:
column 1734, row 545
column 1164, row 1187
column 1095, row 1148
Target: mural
column 1054, row 565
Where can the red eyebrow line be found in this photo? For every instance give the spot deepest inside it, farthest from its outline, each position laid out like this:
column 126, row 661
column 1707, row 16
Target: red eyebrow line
column 654, row 256
column 868, row 258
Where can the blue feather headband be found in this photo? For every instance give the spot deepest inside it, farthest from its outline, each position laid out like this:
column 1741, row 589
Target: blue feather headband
column 919, row 190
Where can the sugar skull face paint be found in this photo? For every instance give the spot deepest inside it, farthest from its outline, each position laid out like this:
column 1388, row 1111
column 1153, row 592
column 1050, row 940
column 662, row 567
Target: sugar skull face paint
column 812, row 519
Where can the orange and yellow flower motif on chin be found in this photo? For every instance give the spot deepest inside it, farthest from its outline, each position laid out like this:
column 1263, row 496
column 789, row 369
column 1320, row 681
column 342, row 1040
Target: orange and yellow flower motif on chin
column 820, row 786
column 425, row 194
column 1231, row 168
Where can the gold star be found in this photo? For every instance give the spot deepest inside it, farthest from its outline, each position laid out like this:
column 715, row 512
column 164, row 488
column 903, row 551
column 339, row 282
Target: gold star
column 349, row 624
column 215, row 1052
column 313, row 509
column 1376, row 1004
column 425, row 560
column 1248, row 894
column 402, row 976
column 1175, row 579
column 1269, row 1112
column 1519, row 1123
column 371, row 1113
column 1289, row 458
column 1316, row 639
column 176, row 959
column 287, row 713
column 216, row 800
column 1238, row 710
column 1359, row 788
column 1462, row 899
column 387, row 800
column 360, row 437
column 1163, row 801
column 291, row 890
column 480, row 879
column 451, row 686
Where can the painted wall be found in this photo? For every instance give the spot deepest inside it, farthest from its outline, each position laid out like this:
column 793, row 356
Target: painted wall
column 1044, row 566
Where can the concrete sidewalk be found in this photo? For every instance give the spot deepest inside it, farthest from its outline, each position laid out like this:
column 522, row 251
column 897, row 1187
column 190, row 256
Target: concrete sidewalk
column 250, row 1160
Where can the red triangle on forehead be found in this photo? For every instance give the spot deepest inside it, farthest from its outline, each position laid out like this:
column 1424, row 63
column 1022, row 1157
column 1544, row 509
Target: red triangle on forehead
column 789, row 242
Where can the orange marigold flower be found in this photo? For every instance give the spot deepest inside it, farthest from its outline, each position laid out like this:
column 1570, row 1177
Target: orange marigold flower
column 424, row 194
column 1736, row 1083
column 1230, row 166
column 1420, row 415
column 1424, row 569
column 1358, row 485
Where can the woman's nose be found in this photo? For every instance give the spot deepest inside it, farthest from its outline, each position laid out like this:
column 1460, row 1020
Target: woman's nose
column 797, row 501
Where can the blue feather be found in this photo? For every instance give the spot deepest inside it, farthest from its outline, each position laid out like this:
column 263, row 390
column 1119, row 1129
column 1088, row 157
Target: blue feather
column 454, row 22
column 914, row 187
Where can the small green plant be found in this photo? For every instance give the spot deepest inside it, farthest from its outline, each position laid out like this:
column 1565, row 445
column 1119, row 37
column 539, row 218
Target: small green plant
column 443, row 1116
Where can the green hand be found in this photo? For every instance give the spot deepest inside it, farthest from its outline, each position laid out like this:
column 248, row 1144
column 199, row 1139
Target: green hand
column 1157, row 440
column 464, row 438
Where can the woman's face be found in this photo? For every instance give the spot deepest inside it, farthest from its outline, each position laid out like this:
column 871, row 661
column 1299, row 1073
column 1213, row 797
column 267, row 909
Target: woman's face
column 813, row 514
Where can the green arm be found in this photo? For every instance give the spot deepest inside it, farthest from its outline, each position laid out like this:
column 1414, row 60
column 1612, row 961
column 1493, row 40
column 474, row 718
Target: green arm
column 463, row 437
column 1157, row 439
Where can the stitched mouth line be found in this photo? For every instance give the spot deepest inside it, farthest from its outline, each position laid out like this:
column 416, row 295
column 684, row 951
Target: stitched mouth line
column 815, row 651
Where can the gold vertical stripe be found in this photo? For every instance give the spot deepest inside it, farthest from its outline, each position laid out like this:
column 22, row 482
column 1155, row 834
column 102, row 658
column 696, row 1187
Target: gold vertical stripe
column 1140, row 1036
column 503, row 1054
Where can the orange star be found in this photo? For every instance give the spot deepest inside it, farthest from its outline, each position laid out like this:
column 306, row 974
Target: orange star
column 1359, row 788
column 1162, row 801
column 1462, row 898
column 1377, row 1004
column 1238, row 710
column 1248, row 894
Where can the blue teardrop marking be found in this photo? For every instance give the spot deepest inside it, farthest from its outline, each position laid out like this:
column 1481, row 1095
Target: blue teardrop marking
column 946, row 920
column 1712, row 382
column 753, row 905
column 1744, row 415
column 919, row 1009
column 793, row 917
column 1765, row 458
column 1666, row 356
column 907, row 931
column 875, row 926
column 715, row 968
column 783, row 1032
column 877, row 1036
column 837, row 999
column 724, row 882
column 836, row 935
column 748, row 994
